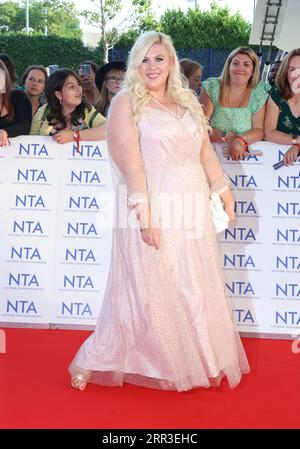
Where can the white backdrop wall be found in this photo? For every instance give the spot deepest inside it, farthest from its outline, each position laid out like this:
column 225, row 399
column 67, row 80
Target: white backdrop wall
column 261, row 257
column 54, row 255
column 55, row 252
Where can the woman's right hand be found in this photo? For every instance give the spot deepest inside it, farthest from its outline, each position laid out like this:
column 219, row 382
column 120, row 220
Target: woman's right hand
column 87, row 82
column 237, row 150
column 4, row 140
column 228, row 204
column 229, row 209
column 151, row 236
column 63, row 136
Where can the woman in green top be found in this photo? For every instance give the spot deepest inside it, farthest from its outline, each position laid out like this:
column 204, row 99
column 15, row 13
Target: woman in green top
column 282, row 124
column 66, row 114
column 235, row 102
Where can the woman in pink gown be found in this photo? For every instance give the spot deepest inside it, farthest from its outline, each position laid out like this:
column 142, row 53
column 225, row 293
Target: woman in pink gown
column 165, row 321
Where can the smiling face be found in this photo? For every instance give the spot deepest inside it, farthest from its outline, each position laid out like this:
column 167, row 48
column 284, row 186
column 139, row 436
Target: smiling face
column 155, row 68
column 293, row 74
column 241, row 69
column 71, row 93
column 35, row 82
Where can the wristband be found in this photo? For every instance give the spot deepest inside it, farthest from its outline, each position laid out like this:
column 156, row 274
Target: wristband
column 135, row 202
column 222, row 190
column 242, row 139
column 76, row 137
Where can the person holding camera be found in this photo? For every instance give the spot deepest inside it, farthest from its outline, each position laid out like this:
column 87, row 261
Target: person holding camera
column 67, row 116
column 87, row 71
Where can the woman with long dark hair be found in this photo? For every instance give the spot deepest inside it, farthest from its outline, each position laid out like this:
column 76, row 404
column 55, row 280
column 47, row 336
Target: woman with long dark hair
column 35, row 80
column 67, row 116
column 11, row 68
column 15, row 109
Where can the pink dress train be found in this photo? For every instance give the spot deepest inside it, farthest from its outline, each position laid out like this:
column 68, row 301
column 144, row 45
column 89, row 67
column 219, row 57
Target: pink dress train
column 165, row 321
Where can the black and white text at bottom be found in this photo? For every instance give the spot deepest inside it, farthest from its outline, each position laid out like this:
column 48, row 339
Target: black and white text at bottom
column 150, row 438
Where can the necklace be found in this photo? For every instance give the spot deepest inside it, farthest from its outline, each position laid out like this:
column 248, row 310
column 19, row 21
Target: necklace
column 167, row 109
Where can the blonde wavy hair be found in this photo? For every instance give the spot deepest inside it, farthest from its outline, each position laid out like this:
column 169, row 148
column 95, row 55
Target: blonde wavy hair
column 176, row 88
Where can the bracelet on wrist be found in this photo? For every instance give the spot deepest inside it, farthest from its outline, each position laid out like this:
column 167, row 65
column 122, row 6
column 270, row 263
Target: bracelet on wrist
column 294, row 139
column 76, row 138
column 135, row 202
column 222, row 190
column 243, row 140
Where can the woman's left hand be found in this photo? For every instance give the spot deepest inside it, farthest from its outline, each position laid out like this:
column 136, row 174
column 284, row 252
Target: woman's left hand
column 63, row 136
column 4, row 140
column 291, row 155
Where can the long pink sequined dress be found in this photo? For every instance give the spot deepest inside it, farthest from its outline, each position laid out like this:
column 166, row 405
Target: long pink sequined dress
column 165, row 321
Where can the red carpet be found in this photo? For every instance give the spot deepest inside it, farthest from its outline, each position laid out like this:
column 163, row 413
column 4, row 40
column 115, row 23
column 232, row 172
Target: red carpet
column 35, row 391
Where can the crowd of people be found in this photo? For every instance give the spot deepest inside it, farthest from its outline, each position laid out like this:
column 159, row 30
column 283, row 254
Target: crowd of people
column 241, row 109
column 165, row 321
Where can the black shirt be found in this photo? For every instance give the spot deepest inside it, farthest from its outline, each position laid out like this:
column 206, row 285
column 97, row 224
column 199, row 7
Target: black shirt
column 21, row 122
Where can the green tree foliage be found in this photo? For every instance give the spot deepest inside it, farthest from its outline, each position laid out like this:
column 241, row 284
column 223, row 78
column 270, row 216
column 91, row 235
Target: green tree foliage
column 8, row 16
column 191, row 29
column 59, row 17
column 112, row 21
column 144, row 17
column 104, row 18
column 27, row 50
column 217, row 28
column 144, row 21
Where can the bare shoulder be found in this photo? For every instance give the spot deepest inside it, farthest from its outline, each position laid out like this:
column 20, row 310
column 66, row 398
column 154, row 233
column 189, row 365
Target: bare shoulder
column 122, row 100
column 121, row 108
